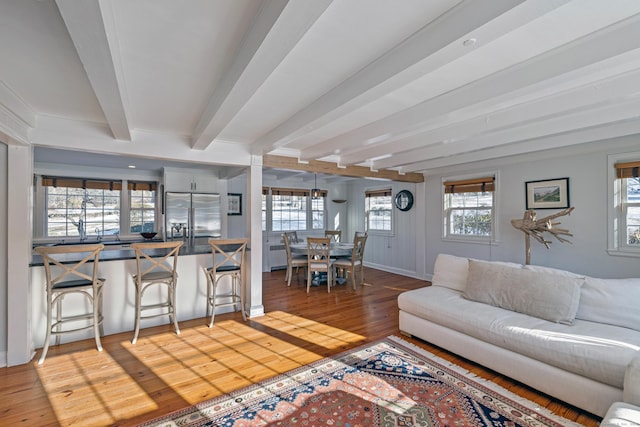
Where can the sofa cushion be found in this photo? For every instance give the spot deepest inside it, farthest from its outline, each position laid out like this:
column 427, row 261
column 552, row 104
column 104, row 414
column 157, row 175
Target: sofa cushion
column 594, row 350
column 547, row 296
column 551, row 270
column 450, row 271
column 611, row 301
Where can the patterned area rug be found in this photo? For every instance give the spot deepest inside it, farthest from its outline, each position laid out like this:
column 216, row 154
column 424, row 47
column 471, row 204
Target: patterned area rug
column 387, row 383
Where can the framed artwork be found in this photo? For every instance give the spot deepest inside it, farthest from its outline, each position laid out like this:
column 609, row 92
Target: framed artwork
column 548, row 194
column 235, row 203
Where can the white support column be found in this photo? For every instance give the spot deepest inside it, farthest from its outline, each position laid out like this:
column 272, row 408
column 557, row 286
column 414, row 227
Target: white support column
column 254, row 218
column 20, row 348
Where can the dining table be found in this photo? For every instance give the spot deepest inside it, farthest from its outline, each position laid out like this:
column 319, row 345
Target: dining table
column 337, row 250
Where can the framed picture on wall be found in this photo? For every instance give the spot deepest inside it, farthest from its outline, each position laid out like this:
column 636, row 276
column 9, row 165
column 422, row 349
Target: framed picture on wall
column 548, row 194
column 235, row 203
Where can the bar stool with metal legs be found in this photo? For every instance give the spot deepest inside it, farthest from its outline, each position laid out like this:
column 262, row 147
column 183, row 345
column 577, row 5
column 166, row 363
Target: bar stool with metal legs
column 228, row 261
column 64, row 278
column 156, row 264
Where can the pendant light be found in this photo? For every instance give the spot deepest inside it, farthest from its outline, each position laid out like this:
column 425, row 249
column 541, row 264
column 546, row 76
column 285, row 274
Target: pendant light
column 315, row 191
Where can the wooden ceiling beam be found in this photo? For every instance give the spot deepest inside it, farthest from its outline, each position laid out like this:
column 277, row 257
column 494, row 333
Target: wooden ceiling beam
column 318, row 166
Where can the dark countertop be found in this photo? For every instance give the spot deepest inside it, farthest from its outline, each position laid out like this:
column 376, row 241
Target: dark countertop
column 124, row 254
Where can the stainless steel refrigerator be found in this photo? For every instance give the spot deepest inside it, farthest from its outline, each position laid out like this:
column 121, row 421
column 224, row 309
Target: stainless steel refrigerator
column 192, row 217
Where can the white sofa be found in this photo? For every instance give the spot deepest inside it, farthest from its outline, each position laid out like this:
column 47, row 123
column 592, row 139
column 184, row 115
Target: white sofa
column 573, row 337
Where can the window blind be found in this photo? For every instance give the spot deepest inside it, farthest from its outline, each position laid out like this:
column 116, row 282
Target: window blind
column 139, row 185
column 90, row 184
column 294, row 192
column 627, row 170
column 474, row 185
column 378, row 193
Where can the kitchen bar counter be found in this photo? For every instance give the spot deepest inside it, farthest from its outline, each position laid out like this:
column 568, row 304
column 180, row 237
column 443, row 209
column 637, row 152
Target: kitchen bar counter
column 125, row 253
column 118, row 266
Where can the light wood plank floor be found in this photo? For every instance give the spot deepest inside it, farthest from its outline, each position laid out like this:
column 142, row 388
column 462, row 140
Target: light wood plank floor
column 125, row 384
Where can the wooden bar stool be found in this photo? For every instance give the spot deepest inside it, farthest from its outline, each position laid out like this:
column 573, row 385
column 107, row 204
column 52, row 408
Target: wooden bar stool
column 156, row 264
column 228, row 261
column 64, row 278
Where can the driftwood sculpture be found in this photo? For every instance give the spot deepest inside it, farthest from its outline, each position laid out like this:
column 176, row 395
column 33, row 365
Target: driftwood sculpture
column 536, row 228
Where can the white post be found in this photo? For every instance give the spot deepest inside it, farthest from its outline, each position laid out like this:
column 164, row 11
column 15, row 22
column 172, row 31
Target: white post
column 254, row 225
column 20, row 348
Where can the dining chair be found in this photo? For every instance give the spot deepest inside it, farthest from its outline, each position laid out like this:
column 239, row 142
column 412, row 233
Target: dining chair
column 333, row 234
column 359, row 234
column 228, row 261
column 64, row 278
column 349, row 265
column 156, row 264
column 292, row 261
column 319, row 259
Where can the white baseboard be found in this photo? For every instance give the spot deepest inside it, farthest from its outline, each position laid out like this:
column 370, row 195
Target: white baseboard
column 394, row 270
column 3, row 359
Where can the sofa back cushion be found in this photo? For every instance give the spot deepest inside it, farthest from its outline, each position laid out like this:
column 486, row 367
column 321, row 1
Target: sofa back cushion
column 548, row 296
column 611, row 301
column 450, row 271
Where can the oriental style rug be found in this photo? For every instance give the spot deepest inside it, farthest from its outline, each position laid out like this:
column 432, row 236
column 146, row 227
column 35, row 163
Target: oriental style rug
column 387, row 383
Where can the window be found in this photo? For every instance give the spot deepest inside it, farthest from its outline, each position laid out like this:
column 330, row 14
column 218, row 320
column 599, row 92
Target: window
column 378, row 209
column 288, row 209
column 81, row 207
column 628, row 183
column 468, row 208
column 142, row 206
column 265, row 194
column 293, row 209
column 317, row 211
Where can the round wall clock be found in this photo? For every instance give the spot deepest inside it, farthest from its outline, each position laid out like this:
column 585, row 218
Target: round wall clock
column 404, row 200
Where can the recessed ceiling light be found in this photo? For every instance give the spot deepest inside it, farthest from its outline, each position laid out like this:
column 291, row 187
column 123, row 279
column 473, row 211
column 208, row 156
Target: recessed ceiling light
column 132, row 166
column 469, row 42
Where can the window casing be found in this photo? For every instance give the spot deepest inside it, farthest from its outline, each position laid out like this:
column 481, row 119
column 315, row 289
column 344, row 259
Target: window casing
column 142, row 206
column 81, row 207
column 294, row 210
column 379, row 210
column 469, row 208
column 628, row 217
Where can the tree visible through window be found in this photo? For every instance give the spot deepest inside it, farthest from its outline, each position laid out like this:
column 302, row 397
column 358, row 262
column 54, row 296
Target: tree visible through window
column 469, row 207
column 142, row 206
column 82, row 208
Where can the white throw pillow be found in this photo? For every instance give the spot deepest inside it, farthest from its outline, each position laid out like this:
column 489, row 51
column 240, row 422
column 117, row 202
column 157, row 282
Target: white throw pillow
column 542, row 269
column 450, row 271
column 611, row 301
column 544, row 295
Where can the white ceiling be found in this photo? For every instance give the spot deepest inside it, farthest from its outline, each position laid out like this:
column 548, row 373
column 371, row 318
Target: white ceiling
column 412, row 85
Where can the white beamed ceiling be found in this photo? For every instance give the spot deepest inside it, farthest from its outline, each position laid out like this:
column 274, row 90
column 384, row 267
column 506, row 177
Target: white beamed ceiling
column 409, row 85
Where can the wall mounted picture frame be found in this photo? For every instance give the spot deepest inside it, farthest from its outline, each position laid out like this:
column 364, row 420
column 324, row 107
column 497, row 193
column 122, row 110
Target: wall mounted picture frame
column 234, row 203
column 547, row 194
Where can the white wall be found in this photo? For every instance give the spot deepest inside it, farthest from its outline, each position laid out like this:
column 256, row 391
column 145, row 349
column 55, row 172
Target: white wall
column 586, row 166
column 394, row 252
column 3, row 253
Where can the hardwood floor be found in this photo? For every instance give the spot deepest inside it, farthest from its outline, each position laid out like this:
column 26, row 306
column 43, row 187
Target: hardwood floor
column 126, row 384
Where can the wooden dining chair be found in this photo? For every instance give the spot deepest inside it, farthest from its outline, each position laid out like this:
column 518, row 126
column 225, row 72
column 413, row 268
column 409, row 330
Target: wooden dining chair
column 333, row 234
column 228, row 261
column 350, row 265
column 156, row 264
column 64, row 278
column 292, row 261
column 319, row 259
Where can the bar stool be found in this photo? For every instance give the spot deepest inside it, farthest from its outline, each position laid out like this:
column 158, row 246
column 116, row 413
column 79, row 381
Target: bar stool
column 156, row 264
column 64, row 278
column 228, row 261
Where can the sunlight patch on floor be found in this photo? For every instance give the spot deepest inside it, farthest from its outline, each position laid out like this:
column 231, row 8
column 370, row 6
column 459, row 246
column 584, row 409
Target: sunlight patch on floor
column 92, row 385
column 301, row 328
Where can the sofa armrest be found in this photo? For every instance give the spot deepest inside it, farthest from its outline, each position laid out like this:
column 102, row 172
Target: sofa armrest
column 631, row 390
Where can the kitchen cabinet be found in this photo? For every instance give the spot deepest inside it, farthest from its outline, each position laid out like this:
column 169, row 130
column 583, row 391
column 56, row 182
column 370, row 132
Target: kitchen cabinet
column 185, row 180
